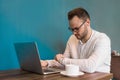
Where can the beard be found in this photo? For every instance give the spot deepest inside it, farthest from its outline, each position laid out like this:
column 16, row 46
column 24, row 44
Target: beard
column 82, row 35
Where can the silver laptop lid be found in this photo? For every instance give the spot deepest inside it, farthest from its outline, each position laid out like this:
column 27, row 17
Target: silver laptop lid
column 28, row 56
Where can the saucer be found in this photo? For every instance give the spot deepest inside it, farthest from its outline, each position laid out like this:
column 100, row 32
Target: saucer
column 71, row 75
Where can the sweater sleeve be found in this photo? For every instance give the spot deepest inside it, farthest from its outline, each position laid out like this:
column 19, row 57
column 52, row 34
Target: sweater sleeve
column 54, row 63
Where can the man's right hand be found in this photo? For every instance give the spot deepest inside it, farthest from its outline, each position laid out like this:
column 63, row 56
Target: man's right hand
column 44, row 63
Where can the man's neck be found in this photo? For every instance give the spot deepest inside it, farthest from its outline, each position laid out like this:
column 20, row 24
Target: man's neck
column 87, row 36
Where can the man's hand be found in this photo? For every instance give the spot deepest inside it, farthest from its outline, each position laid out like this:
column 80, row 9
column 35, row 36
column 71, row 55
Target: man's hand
column 59, row 57
column 44, row 63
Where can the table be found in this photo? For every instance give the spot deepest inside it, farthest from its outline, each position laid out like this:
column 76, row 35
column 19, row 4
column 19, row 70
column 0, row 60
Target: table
column 24, row 75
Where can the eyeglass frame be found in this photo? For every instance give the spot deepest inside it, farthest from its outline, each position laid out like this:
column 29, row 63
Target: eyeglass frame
column 76, row 28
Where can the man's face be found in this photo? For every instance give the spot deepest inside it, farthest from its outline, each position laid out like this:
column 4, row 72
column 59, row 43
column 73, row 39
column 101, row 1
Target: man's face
column 78, row 27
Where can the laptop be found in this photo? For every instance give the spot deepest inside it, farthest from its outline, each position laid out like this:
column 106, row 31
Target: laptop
column 29, row 58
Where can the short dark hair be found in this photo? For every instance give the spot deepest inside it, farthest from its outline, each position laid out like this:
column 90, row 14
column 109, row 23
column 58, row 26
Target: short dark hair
column 79, row 12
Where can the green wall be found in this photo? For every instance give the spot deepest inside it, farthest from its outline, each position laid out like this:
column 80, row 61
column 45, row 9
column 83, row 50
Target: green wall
column 45, row 21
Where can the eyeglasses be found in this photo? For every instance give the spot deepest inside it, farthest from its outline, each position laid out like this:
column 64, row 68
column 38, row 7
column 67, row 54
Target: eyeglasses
column 77, row 28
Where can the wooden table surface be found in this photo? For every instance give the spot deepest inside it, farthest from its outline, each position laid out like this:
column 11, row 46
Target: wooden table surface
column 24, row 75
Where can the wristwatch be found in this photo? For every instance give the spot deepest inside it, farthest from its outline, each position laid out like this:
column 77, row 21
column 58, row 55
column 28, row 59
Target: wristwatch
column 61, row 60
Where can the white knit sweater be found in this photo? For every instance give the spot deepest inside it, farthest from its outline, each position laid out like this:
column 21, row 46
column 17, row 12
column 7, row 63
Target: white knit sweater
column 92, row 56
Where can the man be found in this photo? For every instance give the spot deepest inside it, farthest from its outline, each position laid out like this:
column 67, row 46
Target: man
column 89, row 49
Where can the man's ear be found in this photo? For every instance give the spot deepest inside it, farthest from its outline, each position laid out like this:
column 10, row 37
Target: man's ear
column 88, row 22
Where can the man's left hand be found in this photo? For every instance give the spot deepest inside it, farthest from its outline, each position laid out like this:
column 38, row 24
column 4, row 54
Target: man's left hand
column 59, row 57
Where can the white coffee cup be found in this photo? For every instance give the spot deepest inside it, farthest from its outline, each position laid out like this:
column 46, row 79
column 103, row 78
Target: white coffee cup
column 72, row 69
